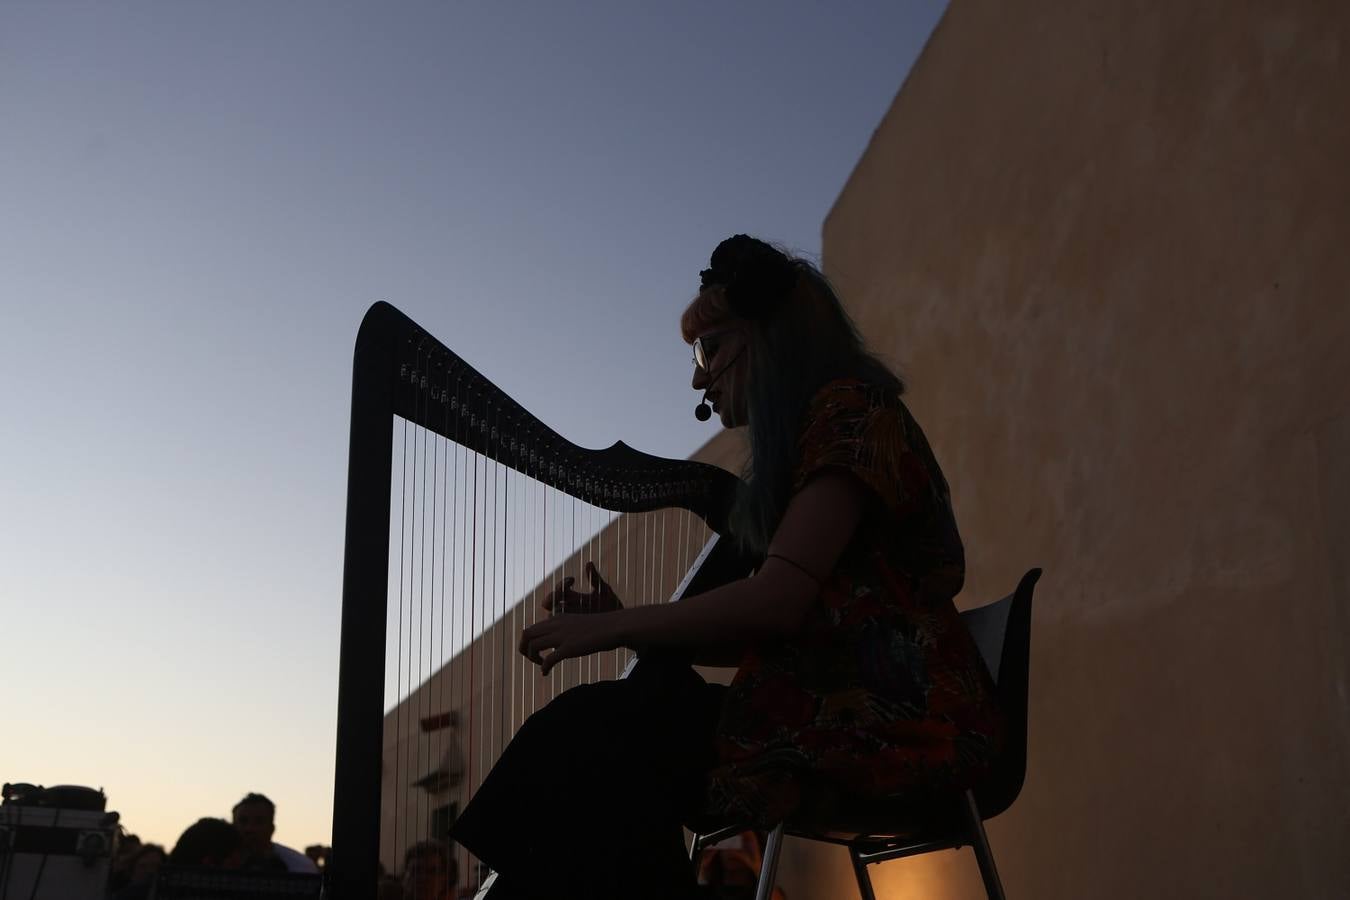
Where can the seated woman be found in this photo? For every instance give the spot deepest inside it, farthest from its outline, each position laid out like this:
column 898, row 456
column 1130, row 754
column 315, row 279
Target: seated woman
column 857, row 680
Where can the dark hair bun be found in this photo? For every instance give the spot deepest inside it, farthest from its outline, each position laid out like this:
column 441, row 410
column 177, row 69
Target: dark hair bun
column 755, row 276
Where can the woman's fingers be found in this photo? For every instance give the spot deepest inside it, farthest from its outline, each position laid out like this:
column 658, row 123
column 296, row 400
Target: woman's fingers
column 553, row 659
column 562, row 598
column 542, row 636
column 602, row 595
column 552, row 640
column 531, row 638
column 571, row 602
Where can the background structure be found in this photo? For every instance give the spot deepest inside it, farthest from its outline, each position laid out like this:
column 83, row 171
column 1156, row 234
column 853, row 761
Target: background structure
column 1107, row 243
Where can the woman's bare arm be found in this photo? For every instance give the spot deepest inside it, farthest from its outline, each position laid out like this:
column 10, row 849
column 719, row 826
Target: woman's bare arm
column 773, row 603
column 769, row 606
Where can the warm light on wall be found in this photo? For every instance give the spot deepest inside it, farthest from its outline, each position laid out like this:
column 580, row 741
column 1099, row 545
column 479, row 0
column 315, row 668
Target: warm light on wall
column 815, row 869
column 934, row 876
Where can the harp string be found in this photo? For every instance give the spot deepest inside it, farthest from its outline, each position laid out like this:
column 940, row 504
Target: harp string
column 420, row 528
column 399, row 693
column 437, row 737
column 582, row 581
column 451, row 729
column 490, row 597
column 628, row 567
column 505, row 586
column 410, row 659
column 420, row 819
column 460, row 688
column 512, row 517
column 482, row 554
column 653, row 584
column 530, row 686
column 472, row 578
column 572, row 542
column 471, row 599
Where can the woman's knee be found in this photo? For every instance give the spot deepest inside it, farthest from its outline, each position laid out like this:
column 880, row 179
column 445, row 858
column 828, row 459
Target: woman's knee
column 569, row 709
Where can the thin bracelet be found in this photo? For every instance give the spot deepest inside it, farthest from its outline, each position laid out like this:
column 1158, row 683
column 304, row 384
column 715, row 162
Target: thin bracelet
column 797, row 566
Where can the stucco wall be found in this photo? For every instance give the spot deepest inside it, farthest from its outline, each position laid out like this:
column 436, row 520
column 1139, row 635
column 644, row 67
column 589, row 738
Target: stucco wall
column 1107, row 244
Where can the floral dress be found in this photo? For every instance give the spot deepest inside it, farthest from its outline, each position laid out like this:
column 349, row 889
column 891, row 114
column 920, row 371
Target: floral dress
column 883, row 694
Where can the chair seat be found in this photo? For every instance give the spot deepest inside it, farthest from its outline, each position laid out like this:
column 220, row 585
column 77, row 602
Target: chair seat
column 827, row 814
column 883, row 830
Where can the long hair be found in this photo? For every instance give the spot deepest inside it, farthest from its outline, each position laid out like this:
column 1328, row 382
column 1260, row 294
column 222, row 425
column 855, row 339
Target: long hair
column 793, row 351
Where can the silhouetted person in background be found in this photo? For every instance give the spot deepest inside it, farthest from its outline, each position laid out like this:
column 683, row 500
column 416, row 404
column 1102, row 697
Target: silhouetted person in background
column 210, row 844
column 318, row 854
column 128, row 845
column 141, row 872
column 255, row 817
column 429, row 872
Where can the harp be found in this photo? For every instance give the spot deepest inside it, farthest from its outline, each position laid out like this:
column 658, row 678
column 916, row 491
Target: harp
column 461, row 509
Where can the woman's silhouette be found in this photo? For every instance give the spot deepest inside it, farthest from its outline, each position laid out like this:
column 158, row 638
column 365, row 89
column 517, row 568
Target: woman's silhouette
column 856, row 679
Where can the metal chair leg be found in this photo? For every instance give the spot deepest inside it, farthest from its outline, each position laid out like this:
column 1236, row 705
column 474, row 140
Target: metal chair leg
column 701, row 841
column 769, row 866
column 486, row 886
column 983, row 855
column 860, row 872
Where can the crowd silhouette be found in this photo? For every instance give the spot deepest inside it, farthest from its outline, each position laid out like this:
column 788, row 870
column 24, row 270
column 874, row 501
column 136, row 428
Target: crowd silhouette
column 234, row 857
column 237, row 857
column 243, row 844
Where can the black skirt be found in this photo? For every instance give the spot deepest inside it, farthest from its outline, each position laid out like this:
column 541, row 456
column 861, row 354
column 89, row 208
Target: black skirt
column 588, row 799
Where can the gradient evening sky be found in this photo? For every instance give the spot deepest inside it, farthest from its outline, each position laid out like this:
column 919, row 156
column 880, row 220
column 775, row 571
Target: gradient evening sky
column 198, row 202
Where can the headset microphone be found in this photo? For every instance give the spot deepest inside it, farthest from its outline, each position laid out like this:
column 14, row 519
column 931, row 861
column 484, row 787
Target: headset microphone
column 703, row 411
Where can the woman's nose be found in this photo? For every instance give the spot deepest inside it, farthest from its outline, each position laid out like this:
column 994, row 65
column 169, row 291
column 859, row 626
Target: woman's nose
column 700, row 379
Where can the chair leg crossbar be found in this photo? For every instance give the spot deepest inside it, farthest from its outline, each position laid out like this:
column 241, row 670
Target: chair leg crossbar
column 861, row 859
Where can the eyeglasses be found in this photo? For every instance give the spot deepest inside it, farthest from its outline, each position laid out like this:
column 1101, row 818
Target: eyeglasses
column 705, row 347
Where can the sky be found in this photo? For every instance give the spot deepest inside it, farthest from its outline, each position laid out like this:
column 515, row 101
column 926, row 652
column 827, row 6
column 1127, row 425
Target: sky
column 199, row 201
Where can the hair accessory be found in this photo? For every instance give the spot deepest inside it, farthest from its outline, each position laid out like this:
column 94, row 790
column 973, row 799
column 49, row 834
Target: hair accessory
column 754, row 275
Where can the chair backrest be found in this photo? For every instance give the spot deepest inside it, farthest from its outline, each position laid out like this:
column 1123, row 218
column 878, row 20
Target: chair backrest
column 1002, row 632
column 988, row 625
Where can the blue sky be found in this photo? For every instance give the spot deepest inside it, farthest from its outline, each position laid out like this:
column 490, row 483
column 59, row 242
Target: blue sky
column 199, row 200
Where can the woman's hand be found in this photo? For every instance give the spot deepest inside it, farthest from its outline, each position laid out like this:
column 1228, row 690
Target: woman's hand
column 600, row 599
column 569, row 636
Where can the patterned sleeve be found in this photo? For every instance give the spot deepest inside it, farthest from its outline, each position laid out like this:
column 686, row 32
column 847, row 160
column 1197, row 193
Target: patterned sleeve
column 853, row 426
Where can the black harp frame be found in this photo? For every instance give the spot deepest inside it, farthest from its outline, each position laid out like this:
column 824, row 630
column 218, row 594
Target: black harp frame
column 399, row 370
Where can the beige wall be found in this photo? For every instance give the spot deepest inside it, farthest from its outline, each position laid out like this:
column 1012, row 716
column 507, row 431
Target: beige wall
column 1107, row 243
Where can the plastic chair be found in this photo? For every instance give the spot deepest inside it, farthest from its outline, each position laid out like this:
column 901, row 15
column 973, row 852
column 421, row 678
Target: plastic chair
column 1002, row 632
